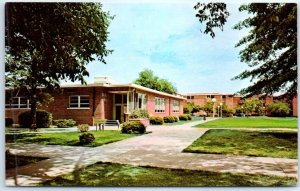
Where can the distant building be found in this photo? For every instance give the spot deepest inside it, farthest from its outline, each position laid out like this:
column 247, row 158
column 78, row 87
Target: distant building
column 233, row 101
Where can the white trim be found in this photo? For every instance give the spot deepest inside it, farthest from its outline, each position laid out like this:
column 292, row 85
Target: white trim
column 78, row 108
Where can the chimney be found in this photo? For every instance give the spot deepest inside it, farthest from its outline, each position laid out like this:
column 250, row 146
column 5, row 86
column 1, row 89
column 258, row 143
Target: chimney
column 103, row 80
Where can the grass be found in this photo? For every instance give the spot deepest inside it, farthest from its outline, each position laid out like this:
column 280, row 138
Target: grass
column 252, row 122
column 67, row 138
column 252, row 143
column 183, row 122
column 108, row 174
column 13, row 161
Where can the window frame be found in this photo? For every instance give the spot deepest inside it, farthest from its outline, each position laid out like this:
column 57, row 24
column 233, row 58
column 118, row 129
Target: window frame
column 19, row 103
column 79, row 102
column 160, row 105
column 177, row 105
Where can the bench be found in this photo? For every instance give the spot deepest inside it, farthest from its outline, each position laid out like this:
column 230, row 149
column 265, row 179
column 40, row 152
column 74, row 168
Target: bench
column 101, row 123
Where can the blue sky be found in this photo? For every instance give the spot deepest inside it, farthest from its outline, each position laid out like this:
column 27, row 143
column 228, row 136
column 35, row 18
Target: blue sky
column 166, row 38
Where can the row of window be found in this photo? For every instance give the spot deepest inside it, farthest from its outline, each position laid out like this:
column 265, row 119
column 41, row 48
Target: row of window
column 160, row 105
column 78, row 101
column 82, row 101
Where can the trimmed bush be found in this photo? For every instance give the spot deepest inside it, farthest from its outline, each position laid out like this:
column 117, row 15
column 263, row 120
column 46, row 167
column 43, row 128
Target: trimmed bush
column 8, row 122
column 133, row 127
column 86, row 138
column 175, row 119
column 43, row 119
column 185, row 117
column 169, row 119
column 83, row 127
column 156, row 120
column 139, row 113
column 278, row 109
column 64, row 123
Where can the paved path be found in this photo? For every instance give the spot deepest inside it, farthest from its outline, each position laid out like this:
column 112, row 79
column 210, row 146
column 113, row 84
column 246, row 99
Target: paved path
column 161, row 148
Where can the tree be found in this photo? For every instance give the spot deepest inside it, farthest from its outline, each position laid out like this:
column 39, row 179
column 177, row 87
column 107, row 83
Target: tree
column 148, row 79
column 270, row 47
column 252, row 105
column 278, row 109
column 191, row 107
column 49, row 42
column 208, row 107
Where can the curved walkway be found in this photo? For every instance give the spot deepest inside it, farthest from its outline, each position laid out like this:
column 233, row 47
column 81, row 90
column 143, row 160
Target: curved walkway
column 161, row 148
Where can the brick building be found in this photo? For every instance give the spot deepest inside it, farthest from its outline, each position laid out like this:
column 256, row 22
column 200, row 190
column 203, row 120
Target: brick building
column 233, row 101
column 100, row 100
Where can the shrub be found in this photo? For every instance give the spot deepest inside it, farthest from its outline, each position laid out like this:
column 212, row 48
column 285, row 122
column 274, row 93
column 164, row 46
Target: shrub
column 8, row 122
column 64, row 123
column 83, row 127
column 133, row 127
column 185, row 117
column 175, row 119
column 86, row 138
column 156, row 120
column 139, row 113
column 169, row 119
column 278, row 109
column 43, row 119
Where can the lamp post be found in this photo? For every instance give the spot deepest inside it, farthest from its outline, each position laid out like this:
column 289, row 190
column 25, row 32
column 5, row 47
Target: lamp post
column 221, row 109
column 218, row 111
column 213, row 100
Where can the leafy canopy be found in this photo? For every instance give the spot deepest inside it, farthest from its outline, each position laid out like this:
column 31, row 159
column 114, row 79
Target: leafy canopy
column 148, row 79
column 49, row 42
column 270, row 48
column 278, row 109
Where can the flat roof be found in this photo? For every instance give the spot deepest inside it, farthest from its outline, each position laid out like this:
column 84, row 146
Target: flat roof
column 123, row 85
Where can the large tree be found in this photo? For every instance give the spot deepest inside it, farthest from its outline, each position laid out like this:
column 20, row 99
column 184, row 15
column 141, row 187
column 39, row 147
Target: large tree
column 148, row 79
column 270, row 48
column 49, row 42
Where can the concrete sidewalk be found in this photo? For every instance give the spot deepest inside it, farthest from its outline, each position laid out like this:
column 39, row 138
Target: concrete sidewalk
column 161, row 148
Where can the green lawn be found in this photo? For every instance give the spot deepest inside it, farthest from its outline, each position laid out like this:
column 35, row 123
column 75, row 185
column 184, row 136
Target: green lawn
column 106, row 174
column 253, row 143
column 67, row 138
column 252, row 122
column 183, row 122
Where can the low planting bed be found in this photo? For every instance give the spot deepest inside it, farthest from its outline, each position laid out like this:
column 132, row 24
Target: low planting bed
column 108, row 174
column 67, row 138
column 253, row 143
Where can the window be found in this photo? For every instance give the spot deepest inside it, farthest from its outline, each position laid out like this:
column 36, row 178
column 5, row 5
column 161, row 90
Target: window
column 79, row 101
column 223, row 96
column 176, row 105
column 190, row 97
column 159, row 105
column 142, row 101
column 17, row 102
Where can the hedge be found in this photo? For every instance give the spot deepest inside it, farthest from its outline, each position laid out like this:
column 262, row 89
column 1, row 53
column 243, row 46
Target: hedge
column 43, row 119
column 64, row 123
column 133, row 127
column 156, row 120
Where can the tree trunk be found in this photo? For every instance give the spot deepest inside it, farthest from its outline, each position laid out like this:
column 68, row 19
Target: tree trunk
column 33, row 100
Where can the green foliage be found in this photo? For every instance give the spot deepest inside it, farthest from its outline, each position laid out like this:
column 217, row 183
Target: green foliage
column 175, row 119
column 83, row 127
column 208, row 107
column 278, row 109
column 148, row 79
column 64, row 123
column 214, row 14
column 86, row 138
column 191, row 107
column 271, row 48
column 43, row 119
column 8, row 122
column 185, row 117
column 133, row 127
column 252, row 106
column 170, row 119
column 139, row 113
column 227, row 112
column 156, row 120
column 50, row 42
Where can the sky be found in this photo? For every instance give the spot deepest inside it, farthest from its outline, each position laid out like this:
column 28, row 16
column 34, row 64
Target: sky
column 166, row 38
